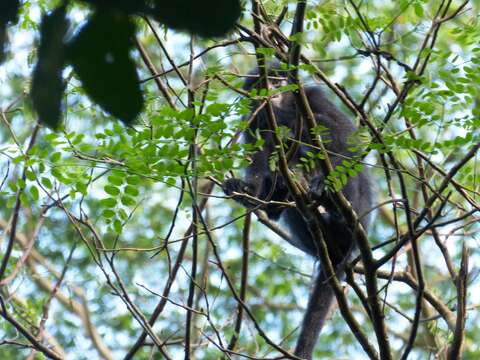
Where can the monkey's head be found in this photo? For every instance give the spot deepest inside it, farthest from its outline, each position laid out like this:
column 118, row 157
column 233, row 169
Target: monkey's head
column 277, row 77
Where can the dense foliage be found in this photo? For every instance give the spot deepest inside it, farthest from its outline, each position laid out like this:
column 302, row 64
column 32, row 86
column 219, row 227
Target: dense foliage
column 105, row 224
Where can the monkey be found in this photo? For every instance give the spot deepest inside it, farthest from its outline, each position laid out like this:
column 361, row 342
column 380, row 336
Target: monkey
column 266, row 184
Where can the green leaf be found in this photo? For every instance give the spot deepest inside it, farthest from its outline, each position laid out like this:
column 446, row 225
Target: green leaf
column 358, row 167
column 47, row 84
column 24, row 198
column 128, row 201
column 47, row 183
column 108, row 213
column 115, row 180
column 81, row 188
column 56, row 157
column 18, row 159
column 130, row 190
column 418, row 8
column 133, row 180
column 13, row 186
column 117, row 226
column 111, row 190
column 109, row 202
column 217, row 109
column 100, row 55
column 78, row 139
column 21, row 183
column 122, row 214
column 51, row 137
column 266, row 51
column 30, row 175
column 34, row 192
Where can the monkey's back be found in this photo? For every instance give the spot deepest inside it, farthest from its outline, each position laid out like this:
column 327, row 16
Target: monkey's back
column 337, row 133
column 339, row 142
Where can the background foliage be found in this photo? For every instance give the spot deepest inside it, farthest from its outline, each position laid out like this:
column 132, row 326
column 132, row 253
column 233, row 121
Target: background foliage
column 102, row 209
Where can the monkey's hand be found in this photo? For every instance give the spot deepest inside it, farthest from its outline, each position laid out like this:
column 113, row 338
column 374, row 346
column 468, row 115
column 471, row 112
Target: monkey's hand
column 317, row 190
column 245, row 193
column 236, row 187
column 322, row 196
column 231, row 186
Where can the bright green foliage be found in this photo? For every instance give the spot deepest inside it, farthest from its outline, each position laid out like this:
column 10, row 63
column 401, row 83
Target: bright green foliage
column 120, row 195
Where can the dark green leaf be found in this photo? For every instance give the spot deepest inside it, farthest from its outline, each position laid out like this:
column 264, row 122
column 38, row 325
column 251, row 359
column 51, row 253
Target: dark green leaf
column 8, row 13
column 130, row 6
column 205, row 18
column 100, row 55
column 47, row 83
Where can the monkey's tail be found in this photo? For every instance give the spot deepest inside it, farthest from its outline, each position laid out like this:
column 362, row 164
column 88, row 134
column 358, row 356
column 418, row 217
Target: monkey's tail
column 320, row 305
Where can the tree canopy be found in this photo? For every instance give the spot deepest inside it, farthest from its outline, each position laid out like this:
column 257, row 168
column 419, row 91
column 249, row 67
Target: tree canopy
column 119, row 121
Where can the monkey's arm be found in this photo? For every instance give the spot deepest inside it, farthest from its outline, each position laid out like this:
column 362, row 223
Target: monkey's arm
column 259, row 182
column 233, row 185
column 277, row 193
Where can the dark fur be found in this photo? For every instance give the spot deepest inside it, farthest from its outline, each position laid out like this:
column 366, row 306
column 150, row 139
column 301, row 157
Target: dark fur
column 265, row 184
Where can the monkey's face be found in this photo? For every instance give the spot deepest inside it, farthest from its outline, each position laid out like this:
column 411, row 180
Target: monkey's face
column 276, row 77
column 280, row 100
column 277, row 80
